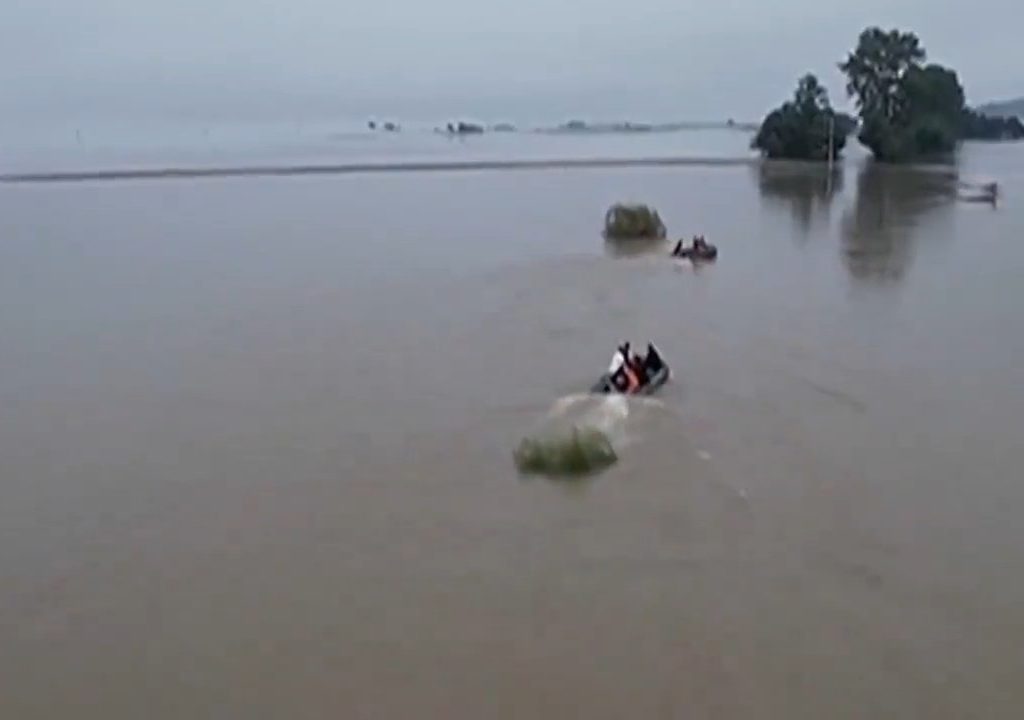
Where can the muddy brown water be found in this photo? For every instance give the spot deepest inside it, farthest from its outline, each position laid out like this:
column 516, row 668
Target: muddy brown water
column 256, row 436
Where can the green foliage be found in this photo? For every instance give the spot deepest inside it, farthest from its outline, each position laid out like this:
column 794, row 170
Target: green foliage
column 633, row 222
column 934, row 92
column 979, row 126
column 800, row 129
column 929, row 135
column 875, row 70
column 582, row 452
column 907, row 110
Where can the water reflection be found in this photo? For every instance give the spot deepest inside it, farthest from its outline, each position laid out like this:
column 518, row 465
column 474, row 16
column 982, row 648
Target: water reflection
column 890, row 207
column 805, row 190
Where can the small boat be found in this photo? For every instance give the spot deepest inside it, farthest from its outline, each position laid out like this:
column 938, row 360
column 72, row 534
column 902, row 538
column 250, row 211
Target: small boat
column 697, row 251
column 987, row 192
column 656, row 373
column 984, row 199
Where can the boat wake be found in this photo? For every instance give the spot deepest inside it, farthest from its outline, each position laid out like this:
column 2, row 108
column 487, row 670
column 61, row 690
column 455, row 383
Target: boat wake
column 620, row 418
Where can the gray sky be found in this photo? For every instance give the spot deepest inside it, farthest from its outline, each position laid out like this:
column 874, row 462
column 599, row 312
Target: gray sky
column 435, row 58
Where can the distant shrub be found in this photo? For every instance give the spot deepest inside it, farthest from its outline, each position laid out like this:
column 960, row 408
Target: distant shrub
column 633, row 222
column 582, row 452
column 979, row 126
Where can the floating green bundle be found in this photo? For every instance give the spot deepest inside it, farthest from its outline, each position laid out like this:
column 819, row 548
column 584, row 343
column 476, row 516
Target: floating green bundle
column 582, row 452
column 633, row 222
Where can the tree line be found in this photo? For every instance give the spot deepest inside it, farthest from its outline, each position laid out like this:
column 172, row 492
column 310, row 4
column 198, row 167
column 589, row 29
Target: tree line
column 906, row 109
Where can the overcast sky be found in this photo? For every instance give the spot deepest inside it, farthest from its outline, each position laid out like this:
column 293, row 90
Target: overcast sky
column 433, row 58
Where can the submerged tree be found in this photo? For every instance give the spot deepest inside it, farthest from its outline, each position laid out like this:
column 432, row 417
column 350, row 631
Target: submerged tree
column 583, row 451
column 875, row 71
column 907, row 109
column 805, row 128
column 633, row 222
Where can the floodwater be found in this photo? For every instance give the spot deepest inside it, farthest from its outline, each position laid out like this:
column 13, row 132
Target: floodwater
column 256, row 448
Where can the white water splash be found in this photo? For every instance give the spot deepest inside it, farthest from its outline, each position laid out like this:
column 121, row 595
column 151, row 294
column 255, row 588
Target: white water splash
column 616, row 416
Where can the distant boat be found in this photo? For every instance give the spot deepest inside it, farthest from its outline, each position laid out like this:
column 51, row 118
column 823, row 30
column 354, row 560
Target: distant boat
column 386, row 127
column 987, row 192
column 465, row 128
column 979, row 197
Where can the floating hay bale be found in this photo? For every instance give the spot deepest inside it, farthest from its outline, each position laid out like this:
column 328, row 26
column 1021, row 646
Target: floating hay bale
column 582, row 452
column 633, row 222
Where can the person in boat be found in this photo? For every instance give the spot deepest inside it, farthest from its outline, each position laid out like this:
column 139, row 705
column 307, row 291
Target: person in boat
column 626, row 371
column 698, row 248
column 618, row 373
column 640, row 368
column 631, row 373
column 633, row 367
column 653, row 363
column 702, row 250
column 636, row 363
column 684, row 252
